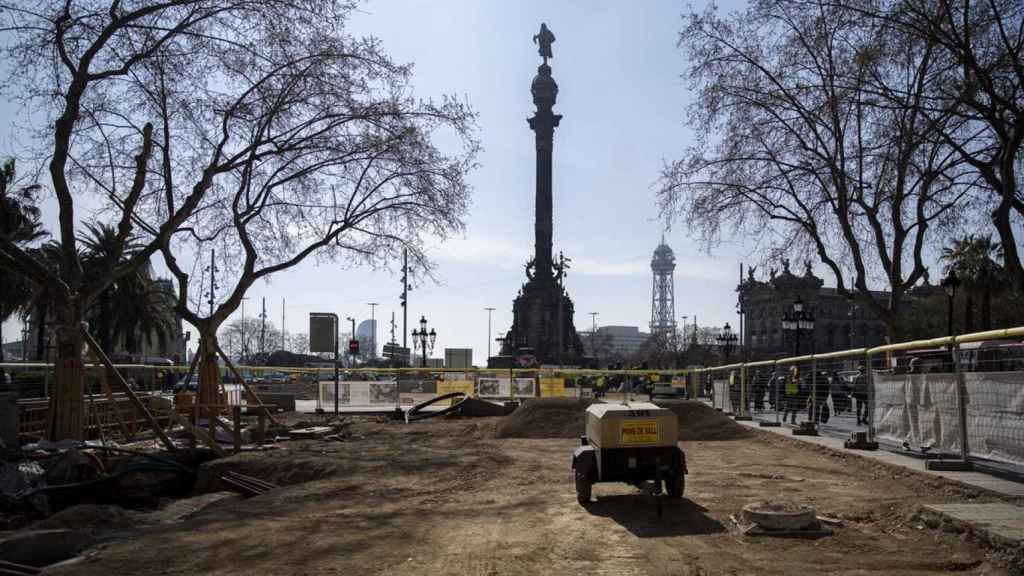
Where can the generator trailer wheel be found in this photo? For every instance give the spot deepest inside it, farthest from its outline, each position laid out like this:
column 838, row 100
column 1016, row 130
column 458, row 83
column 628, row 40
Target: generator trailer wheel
column 583, row 486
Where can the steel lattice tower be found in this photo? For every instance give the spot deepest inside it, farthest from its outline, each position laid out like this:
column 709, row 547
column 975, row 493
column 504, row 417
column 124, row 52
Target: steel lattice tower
column 663, row 291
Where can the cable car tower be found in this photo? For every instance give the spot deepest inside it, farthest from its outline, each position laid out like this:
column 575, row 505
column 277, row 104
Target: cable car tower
column 663, row 290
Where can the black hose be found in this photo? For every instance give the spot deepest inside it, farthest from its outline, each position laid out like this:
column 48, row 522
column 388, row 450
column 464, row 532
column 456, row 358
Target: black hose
column 140, row 453
column 414, row 413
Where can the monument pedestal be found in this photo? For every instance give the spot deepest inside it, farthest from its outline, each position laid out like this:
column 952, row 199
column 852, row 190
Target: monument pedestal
column 543, row 321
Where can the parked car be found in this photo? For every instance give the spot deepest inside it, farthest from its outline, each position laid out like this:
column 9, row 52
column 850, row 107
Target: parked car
column 667, row 390
column 274, row 378
column 192, row 385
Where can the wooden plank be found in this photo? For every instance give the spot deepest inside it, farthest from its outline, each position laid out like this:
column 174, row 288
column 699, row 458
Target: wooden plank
column 241, row 380
column 199, row 434
column 117, row 409
column 236, row 420
column 128, row 391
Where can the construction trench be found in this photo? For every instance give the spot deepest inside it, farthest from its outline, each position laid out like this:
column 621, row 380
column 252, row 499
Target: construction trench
column 461, row 494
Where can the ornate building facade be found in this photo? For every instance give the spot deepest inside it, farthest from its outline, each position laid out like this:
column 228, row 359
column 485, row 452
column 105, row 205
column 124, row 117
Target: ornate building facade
column 839, row 324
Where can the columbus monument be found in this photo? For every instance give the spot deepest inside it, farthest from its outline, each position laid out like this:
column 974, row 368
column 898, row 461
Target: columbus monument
column 543, row 311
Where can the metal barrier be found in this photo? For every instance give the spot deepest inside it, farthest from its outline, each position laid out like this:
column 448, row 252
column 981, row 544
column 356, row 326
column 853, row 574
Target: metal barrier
column 959, row 396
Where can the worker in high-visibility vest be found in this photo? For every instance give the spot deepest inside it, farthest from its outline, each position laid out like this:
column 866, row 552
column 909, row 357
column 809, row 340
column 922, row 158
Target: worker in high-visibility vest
column 791, row 394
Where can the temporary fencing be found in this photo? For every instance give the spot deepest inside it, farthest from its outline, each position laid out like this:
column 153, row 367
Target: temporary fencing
column 957, row 396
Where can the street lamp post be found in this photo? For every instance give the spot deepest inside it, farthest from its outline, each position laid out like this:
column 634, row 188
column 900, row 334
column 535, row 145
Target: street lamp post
column 796, row 322
column 949, row 285
column 424, row 338
column 593, row 337
column 373, row 324
column 726, row 340
column 489, row 310
column 352, row 356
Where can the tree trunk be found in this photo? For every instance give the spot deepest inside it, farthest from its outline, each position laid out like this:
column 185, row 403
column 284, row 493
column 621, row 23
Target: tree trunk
column 41, row 312
column 209, row 371
column 104, row 330
column 3, row 380
column 986, row 308
column 968, row 312
column 67, row 416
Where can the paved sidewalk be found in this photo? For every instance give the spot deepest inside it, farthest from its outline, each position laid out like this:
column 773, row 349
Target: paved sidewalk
column 976, row 479
column 998, row 519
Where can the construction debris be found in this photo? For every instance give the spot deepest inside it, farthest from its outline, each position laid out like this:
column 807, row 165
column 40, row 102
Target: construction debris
column 312, row 432
column 246, row 485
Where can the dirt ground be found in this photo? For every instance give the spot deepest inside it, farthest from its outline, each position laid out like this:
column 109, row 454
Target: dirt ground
column 448, row 497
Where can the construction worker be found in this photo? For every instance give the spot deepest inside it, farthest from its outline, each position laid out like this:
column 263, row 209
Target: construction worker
column 860, row 394
column 760, row 387
column 791, row 394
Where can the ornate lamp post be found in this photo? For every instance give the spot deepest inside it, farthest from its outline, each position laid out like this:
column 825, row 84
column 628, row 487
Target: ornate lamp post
column 949, row 285
column 726, row 340
column 797, row 322
column 424, row 338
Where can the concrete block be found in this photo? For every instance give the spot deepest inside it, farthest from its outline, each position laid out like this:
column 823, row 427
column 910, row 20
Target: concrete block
column 282, row 402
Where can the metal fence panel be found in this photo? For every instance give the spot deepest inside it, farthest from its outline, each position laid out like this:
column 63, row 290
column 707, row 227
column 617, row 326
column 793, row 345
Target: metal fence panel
column 995, row 415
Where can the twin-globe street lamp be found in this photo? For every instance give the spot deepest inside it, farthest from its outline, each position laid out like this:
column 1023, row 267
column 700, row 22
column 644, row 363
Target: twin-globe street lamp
column 727, row 339
column 798, row 321
column 424, row 338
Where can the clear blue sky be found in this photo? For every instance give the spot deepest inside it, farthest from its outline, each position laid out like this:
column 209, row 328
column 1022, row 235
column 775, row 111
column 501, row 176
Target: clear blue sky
column 623, row 101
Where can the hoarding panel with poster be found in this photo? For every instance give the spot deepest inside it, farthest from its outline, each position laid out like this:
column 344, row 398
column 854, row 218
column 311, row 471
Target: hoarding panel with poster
column 449, row 386
column 552, row 387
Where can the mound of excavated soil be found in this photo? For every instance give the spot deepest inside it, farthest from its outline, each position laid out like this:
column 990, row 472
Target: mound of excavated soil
column 564, row 418
column 545, row 418
column 698, row 421
column 92, row 517
column 282, row 470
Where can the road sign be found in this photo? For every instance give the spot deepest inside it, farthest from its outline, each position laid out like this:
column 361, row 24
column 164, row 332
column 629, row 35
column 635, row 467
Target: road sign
column 322, row 332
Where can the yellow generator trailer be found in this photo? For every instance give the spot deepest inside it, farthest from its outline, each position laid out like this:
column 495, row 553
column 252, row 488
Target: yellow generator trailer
column 632, row 442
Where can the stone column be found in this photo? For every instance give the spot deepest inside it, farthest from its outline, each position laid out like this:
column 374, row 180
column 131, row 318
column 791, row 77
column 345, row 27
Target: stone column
column 543, row 123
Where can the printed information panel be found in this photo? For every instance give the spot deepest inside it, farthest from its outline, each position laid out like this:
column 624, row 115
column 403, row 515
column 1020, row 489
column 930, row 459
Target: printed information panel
column 503, row 388
column 361, row 393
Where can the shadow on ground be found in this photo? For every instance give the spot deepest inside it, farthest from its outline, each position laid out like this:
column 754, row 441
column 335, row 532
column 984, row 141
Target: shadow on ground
column 638, row 513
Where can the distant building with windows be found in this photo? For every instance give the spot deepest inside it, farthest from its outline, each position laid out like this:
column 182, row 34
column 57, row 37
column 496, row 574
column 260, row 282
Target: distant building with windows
column 839, row 324
column 617, row 341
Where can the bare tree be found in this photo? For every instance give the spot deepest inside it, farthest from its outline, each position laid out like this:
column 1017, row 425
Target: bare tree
column 804, row 143
column 979, row 82
column 190, row 120
column 298, row 343
column 333, row 158
column 240, row 338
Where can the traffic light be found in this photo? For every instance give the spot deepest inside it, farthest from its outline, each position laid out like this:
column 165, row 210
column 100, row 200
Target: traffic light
column 353, row 346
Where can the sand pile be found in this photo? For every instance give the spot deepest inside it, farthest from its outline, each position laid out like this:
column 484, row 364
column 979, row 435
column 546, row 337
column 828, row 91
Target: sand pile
column 698, row 421
column 564, row 418
column 545, row 418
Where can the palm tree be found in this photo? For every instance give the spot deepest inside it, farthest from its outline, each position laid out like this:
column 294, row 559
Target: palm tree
column 975, row 259
column 135, row 307
column 19, row 224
